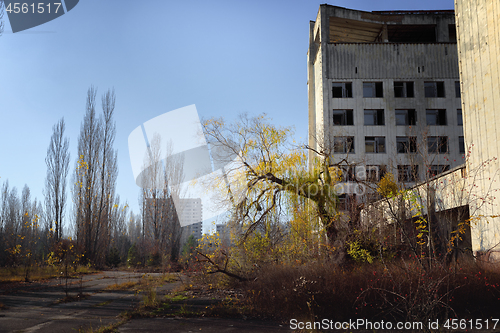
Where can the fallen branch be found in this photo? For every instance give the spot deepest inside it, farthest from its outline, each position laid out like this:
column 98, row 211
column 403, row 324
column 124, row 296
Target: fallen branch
column 222, row 270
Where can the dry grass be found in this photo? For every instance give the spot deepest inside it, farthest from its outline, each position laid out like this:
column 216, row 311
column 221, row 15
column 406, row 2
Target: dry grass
column 401, row 290
column 122, row 286
column 103, row 303
column 106, row 329
column 17, row 274
column 170, row 278
column 37, row 273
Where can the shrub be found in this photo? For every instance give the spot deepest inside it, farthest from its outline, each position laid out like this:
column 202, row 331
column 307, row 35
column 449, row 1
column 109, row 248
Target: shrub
column 133, row 257
column 154, row 259
column 113, row 257
column 400, row 290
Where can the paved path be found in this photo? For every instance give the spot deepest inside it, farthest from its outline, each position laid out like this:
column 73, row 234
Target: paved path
column 31, row 308
column 206, row 325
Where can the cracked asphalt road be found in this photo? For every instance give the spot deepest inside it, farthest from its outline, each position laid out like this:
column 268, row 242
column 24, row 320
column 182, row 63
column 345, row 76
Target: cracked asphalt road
column 32, row 308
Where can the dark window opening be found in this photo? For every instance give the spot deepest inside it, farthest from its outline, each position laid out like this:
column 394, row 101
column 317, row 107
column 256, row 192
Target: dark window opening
column 348, row 173
column 437, row 144
column 436, row 117
column 374, row 173
column 342, row 89
column 435, row 170
column 403, row 89
column 374, row 118
column 372, row 89
column 406, row 117
column 407, row 173
column 434, row 89
column 342, row 117
column 343, row 144
column 460, row 120
column 406, row 33
column 374, row 144
column 452, row 33
column 457, row 89
column 346, row 201
column 406, row 144
column 461, row 144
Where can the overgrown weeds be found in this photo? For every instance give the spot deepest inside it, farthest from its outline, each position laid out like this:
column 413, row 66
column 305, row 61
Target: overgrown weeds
column 110, row 328
column 122, row 286
column 399, row 291
column 37, row 273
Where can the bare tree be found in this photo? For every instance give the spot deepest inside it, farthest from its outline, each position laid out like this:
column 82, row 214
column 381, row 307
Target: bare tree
column 108, row 169
column 57, row 161
column 95, row 177
column 161, row 227
column 4, row 197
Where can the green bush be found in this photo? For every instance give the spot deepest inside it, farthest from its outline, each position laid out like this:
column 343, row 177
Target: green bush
column 154, row 259
column 133, row 257
column 113, row 257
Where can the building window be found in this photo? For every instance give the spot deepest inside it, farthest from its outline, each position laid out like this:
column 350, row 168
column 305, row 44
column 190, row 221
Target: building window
column 435, row 117
column 457, row 89
column 342, row 117
column 460, row 120
column 403, row 89
column 434, row 89
column 406, row 144
column 346, row 201
column 406, row 117
column 348, row 173
column 341, row 89
column 374, row 117
column 452, row 33
column 372, row 89
column 407, row 173
column 343, row 144
column 375, row 144
column 461, row 145
column 435, row 170
column 437, row 144
column 374, row 173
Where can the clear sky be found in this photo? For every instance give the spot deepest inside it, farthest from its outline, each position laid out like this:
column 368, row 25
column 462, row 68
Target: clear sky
column 227, row 57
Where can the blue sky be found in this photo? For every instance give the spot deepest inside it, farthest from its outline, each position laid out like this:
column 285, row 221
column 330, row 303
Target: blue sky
column 227, row 57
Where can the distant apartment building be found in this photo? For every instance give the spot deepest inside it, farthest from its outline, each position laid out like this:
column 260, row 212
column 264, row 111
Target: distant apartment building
column 191, row 214
column 384, row 93
column 223, row 232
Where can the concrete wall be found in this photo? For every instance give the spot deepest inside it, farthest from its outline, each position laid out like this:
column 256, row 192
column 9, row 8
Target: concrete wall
column 391, row 60
column 478, row 35
column 382, row 62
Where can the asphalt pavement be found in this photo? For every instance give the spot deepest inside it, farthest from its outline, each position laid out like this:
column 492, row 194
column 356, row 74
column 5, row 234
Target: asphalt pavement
column 33, row 307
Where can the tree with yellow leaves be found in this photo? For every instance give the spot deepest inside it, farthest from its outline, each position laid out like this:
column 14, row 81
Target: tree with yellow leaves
column 271, row 173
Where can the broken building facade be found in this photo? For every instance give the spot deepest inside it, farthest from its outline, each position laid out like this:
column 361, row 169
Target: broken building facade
column 384, row 93
column 378, row 79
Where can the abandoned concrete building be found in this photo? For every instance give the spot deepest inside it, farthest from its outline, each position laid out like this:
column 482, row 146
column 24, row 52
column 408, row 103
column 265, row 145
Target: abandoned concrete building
column 478, row 37
column 384, row 92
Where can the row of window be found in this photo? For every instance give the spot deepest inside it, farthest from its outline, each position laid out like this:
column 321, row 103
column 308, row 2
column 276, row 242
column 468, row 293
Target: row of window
column 405, row 173
column 401, row 89
column 406, row 117
column 404, row 144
